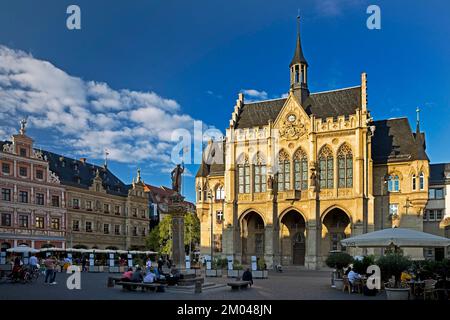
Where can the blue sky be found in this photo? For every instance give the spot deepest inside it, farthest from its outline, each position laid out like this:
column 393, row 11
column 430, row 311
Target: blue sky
column 139, row 69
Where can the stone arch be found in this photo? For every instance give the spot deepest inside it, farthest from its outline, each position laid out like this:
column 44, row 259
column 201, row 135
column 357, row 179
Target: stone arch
column 335, row 206
column 336, row 225
column 259, row 158
column 242, row 158
column 283, row 213
column 252, row 234
column 247, row 211
column 326, row 150
column 292, row 235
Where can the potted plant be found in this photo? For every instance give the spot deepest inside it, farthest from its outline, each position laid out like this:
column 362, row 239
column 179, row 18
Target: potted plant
column 338, row 261
column 216, row 268
column 262, row 272
column 237, row 271
column 392, row 265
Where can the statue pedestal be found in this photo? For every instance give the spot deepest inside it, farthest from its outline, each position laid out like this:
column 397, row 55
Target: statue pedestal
column 177, row 211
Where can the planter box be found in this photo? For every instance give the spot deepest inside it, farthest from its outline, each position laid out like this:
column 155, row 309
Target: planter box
column 397, row 293
column 214, row 273
column 114, row 269
column 93, row 268
column 339, row 284
column 260, row 274
column 234, row 273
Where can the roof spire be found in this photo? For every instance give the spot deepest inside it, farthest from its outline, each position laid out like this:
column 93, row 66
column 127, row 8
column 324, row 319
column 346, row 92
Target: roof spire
column 298, row 55
column 418, row 120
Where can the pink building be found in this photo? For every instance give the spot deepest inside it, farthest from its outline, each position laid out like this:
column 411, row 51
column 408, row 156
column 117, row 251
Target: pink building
column 32, row 202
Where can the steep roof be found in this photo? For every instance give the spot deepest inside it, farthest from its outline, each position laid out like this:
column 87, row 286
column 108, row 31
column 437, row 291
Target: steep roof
column 343, row 102
column 439, row 173
column 298, row 54
column 216, row 159
column 394, row 141
column 70, row 171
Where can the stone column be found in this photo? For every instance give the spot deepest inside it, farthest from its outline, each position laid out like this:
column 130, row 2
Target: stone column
column 177, row 211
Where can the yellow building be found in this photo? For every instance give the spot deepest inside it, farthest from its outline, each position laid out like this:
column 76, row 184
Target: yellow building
column 295, row 175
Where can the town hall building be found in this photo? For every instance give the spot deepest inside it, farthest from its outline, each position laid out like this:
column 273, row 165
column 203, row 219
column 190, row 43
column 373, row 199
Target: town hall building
column 296, row 175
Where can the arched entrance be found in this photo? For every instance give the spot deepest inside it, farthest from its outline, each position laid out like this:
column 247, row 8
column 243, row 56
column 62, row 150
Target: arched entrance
column 336, row 226
column 252, row 235
column 292, row 237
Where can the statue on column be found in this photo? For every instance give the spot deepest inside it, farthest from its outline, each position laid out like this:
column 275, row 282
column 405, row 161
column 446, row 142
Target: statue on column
column 176, row 178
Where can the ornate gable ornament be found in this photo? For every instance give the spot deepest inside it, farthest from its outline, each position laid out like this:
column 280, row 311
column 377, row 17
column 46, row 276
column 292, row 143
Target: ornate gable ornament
column 292, row 128
column 52, row 177
column 8, row 148
column 292, row 121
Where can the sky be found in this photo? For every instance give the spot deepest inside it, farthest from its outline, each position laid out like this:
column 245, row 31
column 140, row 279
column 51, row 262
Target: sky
column 138, row 71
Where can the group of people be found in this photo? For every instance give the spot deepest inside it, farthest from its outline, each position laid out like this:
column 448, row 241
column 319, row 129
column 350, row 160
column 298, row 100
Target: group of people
column 152, row 274
column 354, row 278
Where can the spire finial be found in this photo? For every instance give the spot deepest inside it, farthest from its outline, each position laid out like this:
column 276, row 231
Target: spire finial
column 106, row 157
column 418, row 120
column 138, row 175
column 298, row 21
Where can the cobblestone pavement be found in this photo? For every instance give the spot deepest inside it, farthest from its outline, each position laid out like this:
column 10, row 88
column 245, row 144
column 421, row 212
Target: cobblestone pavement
column 289, row 285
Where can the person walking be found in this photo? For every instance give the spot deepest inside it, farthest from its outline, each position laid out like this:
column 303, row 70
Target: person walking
column 50, row 272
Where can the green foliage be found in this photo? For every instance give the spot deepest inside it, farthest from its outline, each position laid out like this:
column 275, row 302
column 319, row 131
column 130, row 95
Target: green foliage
column 191, row 230
column 237, row 266
column 393, row 264
column 431, row 267
column 219, row 263
column 261, row 264
column 339, row 260
column 360, row 266
column 160, row 238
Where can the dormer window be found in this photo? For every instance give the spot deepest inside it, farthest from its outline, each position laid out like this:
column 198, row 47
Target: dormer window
column 393, row 183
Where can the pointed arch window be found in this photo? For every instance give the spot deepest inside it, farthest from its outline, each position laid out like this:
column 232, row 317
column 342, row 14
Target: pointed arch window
column 300, row 170
column 414, row 182
column 220, row 193
column 345, row 167
column 421, row 181
column 244, row 176
column 199, row 194
column 393, row 183
column 284, row 171
column 259, row 183
column 326, row 168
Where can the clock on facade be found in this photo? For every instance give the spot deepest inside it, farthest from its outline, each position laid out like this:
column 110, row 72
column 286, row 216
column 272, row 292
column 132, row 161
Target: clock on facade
column 291, row 118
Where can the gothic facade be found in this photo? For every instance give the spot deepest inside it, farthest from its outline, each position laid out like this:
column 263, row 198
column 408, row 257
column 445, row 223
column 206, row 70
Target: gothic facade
column 295, row 175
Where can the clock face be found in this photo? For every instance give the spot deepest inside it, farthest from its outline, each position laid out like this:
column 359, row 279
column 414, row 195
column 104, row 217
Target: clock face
column 291, row 118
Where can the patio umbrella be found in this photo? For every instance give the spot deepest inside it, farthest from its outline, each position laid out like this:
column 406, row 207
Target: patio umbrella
column 399, row 237
column 22, row 249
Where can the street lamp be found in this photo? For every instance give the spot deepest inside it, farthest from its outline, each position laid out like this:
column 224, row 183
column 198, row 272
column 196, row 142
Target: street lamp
column 383, row 183
column 210, row 197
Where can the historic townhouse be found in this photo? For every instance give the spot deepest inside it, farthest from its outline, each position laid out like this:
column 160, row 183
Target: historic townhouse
column 436, row 218
column 32, row 203
column 102, row 211
column 296, row 175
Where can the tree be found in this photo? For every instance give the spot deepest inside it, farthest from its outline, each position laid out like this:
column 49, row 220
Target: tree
column 160, row 238
column 191, row 231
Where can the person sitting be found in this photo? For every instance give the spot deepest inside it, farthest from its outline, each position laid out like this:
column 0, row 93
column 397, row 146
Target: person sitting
column 353, row 277
column 247, row 276
column 126, row 276
column 174, row 276
column 137, row 275
column 150, row 277
column 405, row 276
column 347, row 271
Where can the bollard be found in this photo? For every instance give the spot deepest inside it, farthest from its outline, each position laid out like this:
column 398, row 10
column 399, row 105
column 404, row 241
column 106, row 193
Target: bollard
column 198, row 287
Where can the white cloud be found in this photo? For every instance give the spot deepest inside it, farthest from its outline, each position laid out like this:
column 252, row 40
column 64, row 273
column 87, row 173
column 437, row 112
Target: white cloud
column 255, row 94
column 86, row 116
column 330, row 8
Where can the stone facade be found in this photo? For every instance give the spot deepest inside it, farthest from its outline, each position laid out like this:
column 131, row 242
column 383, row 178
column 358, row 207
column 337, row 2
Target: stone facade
column 436, row 218
column 32, row 204
column 294, row 176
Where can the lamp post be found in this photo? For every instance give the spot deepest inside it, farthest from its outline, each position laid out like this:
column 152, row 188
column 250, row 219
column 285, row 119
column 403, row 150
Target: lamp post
column 383, row 183
column 210, row 197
